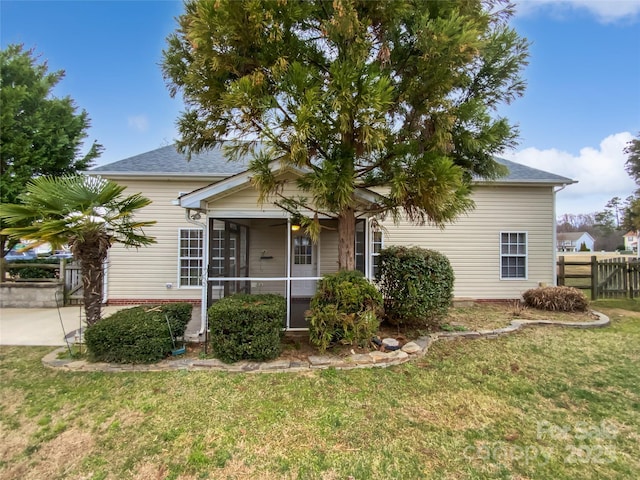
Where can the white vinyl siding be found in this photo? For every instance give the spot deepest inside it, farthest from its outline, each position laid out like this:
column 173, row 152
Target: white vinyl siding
column 151, row 272
column 190, row 257
column 472, row 242
column 513, row 255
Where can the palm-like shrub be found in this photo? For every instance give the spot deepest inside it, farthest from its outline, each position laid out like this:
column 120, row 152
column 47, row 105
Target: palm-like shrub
column 89, row 214
column 345, row 309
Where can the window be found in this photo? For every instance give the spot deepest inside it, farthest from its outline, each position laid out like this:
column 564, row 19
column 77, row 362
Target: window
column 513, row 255
column 190, row 257
column 359, row 246
column 376, row 245
column 302, row 250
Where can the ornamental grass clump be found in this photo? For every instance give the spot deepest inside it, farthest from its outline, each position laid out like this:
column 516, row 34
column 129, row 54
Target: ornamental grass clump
column 556, row 299
column 345, row 309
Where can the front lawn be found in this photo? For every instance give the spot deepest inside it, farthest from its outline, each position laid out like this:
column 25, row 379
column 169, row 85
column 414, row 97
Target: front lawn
column 544, row 403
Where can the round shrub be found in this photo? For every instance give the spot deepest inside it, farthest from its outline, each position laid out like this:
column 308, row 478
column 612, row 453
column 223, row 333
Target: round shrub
column 558, row 299
column 138, row 334
column 345, row 308
column 129, row 336
column 417, row 286
column 247, row 327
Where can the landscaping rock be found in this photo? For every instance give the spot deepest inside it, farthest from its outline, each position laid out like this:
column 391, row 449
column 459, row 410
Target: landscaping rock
column 390, row 343
column 411, row 347
column 318, row 360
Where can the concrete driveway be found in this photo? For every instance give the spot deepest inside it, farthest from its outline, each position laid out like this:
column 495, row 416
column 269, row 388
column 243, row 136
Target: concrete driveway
column 42, row 326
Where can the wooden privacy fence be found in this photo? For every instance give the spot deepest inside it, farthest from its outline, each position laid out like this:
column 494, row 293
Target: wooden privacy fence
column 73, row 291
column 606, row 278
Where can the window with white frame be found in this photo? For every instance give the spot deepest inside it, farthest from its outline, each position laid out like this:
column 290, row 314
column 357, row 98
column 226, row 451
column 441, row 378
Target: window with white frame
column 190, row 257
column 377, row 243
column 359, row 245
column 513, row 255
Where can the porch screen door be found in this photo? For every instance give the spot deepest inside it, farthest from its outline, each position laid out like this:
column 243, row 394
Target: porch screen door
column 303, row 264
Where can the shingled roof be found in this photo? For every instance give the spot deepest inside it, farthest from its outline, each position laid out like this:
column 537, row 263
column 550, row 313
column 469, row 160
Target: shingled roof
column 519, row 173
column 166, row 161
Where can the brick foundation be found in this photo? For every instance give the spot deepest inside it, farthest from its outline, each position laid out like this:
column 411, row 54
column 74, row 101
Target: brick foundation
column 152, row 301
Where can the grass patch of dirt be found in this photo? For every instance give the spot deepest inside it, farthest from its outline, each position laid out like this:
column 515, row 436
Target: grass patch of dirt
column 489, row 316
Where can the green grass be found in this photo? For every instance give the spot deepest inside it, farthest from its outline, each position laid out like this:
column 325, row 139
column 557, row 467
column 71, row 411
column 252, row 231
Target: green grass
column 545, row 403
column 632, row 305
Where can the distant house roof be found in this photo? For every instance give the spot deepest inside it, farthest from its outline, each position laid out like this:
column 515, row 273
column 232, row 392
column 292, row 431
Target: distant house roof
column 630, row 233
column 572, row 236
column 166, row 161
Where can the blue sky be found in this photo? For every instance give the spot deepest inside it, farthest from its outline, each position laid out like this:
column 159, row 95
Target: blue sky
column 581, row 106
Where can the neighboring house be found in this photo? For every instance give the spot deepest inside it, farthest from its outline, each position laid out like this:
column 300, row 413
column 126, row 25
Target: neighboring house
column 631, row 241
column 572, row 241
column 208, row 214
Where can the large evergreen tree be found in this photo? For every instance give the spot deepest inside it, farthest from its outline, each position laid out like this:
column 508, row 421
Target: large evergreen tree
column 39, row 133
column 399, row 95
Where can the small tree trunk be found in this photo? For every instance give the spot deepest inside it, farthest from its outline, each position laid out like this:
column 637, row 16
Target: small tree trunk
column 346, row 239
column 92, row 283
column 92, row 253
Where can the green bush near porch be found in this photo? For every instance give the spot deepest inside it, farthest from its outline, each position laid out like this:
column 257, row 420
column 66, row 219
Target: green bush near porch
column 417, row 286
column 138, row 334
column 345, row 309
column 247, row 327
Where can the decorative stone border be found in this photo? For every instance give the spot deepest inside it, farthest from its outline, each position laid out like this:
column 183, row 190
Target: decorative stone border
column 409, row 351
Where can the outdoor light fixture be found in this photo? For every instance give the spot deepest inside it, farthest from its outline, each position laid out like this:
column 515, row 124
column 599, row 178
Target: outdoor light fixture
column 196, row 216
column 295, row 227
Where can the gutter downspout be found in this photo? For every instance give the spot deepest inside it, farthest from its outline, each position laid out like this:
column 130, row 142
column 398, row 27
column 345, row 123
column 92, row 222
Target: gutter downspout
column 555, row 236
column 204, row 324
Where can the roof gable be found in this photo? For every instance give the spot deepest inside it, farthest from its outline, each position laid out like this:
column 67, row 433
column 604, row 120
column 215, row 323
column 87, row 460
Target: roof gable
column 198, row 198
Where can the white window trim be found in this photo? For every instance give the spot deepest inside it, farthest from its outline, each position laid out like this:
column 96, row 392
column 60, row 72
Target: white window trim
column 526, row 255
column 372, row 251
column 180, row 258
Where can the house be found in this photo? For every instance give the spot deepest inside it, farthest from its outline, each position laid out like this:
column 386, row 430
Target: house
column 572, row 241
column 208, row 214
column 631, row 241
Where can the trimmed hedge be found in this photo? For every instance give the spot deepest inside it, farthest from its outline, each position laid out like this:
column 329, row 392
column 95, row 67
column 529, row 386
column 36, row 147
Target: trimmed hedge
column 33, row 272
column 560, row 299
column 247, row 327
column 345, row 309
column 138, row 334
column 417, row 286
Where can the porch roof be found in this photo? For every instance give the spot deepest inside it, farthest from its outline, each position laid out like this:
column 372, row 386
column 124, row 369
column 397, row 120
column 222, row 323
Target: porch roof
column 197, row 199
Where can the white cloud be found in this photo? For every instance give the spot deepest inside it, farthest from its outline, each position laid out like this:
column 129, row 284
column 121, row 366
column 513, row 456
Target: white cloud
column 139, row 123
column 606, row 11
column 599, row 171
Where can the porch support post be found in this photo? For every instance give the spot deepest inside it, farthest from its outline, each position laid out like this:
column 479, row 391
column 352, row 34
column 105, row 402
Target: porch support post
column 288, row 282
column 367, row 248
column 204, row 319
